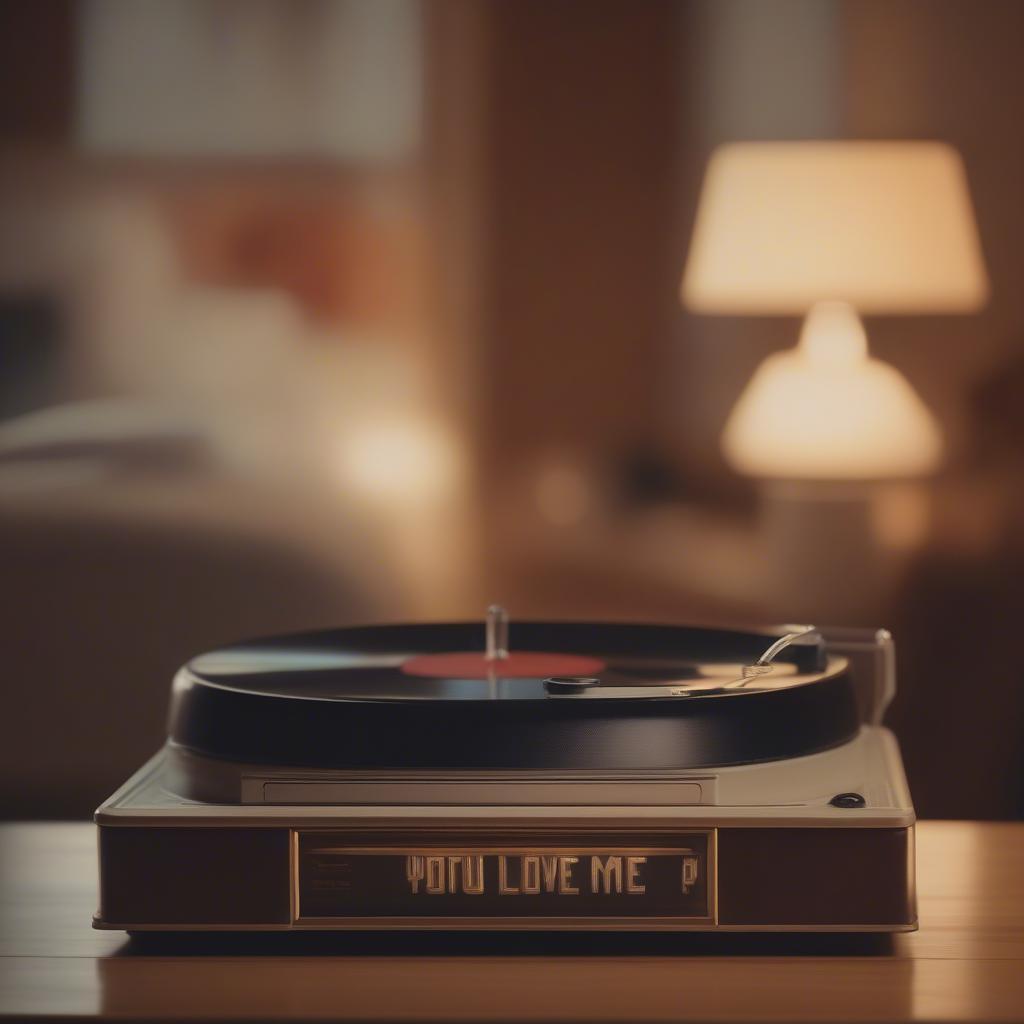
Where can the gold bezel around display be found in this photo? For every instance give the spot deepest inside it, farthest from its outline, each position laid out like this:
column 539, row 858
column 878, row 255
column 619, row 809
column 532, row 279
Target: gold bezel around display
column 677, row 847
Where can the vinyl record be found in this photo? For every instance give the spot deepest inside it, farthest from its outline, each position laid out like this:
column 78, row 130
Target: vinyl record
column 568, row 696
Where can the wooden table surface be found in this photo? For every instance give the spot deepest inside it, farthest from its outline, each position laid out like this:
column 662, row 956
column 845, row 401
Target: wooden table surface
column 966, row 962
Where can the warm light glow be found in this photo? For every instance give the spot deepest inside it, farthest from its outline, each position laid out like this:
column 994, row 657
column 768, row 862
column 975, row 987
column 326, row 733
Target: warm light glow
column 407, row 458
column 886, row 226
column 833, row 337
column 826, row 410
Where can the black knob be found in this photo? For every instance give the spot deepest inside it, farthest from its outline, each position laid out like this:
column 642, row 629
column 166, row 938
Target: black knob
column 848, row 800
column 570, row 684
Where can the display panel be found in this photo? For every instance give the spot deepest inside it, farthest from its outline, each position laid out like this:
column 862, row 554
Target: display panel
column 338, row 880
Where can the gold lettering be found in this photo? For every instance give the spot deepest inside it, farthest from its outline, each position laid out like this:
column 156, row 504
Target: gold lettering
column 435, row 875
column 414, row 872
column 565, row 886
column 473, row 875
column 605, row 874
column 633, row 883
column 691, row 871
column 504, row 889
column 536, row 873
column 453, row 873
column 530, row 874
column 549, row 871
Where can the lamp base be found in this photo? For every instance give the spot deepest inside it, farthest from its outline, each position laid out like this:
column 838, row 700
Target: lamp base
column 826, row 410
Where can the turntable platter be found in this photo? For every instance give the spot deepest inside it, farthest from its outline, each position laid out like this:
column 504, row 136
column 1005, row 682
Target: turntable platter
column 629, row 697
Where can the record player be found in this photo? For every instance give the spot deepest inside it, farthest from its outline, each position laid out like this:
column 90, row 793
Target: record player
column 543, row 775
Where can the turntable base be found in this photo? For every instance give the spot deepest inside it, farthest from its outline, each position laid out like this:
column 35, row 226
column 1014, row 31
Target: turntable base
column 652, row 863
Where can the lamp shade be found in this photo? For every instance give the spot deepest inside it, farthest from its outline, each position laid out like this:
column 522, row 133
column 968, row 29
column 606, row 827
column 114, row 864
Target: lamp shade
column 885, row 226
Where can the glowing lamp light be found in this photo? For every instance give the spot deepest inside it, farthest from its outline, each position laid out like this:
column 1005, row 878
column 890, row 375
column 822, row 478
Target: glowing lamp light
column 827, row 229
column 405, row 458
column 827, row 410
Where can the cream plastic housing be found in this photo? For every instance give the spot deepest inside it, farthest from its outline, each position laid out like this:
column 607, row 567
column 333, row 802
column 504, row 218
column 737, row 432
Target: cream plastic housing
column 789, row 793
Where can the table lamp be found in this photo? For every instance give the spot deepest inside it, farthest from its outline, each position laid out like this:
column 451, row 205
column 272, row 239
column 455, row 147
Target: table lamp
column 831, row 230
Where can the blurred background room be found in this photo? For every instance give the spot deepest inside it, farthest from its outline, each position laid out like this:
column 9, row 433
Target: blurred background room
column 325, row 312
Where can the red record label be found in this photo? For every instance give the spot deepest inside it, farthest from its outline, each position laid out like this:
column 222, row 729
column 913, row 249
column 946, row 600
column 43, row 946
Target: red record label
column 518, row 665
